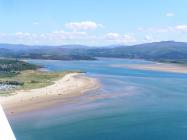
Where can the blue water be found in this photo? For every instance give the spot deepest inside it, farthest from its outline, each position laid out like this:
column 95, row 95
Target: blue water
column 130, row 105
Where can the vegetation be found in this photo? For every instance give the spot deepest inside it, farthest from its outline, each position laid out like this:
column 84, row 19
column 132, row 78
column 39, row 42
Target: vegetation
column 30, row 79
column 15, row 65
column 16, row 75
column 33, row 78
column 165, row 51
column 41, row 52
column 12, row 67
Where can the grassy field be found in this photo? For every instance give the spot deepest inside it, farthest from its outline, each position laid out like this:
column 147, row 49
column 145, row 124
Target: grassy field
column 20, row 75
column 32, row 79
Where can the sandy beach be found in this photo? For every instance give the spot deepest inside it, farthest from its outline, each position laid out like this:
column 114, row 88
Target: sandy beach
column 70, row 85
column 156, row 67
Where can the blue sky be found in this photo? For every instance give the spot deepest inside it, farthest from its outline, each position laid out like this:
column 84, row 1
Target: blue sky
column 92, row 22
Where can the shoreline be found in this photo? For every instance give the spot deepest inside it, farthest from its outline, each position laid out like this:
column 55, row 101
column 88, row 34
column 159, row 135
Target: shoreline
column 173, row 68
column 71, row 85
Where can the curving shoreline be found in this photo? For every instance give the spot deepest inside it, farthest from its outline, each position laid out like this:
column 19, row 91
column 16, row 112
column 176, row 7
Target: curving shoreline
column 70, row 85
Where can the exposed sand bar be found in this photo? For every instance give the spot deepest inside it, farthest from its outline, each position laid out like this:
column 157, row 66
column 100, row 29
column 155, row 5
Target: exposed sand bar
column 70, row 85
column 156, row 67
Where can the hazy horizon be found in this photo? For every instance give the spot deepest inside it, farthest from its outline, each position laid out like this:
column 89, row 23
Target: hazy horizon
column 91, row 45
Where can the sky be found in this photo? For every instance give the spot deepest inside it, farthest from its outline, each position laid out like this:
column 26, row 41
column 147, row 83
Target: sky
column 92, row 22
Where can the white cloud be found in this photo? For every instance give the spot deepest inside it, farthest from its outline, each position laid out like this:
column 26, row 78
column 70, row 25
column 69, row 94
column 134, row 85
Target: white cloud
column 112, row 36
column 60, row 34
column 141, row 29
column 170, row 14
column 84, row 25
column 68, row 35
column 181, row 28
column 77, row 34
column 115, row 37
column 35, row 23
column 128, row 39
column 56, row 37
column 149, row 38
column 22, row 34
column 155, row 30
column 168, row 29
column 3, row 34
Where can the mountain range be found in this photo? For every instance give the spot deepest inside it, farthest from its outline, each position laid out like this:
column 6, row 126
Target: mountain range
column 165, row 51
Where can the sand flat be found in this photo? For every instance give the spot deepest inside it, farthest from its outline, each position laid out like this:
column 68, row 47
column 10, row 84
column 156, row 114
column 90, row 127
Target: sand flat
column 70, row 85
column 156, row 67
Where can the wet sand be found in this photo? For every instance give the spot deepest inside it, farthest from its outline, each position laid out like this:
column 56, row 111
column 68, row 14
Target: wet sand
column 156, row 67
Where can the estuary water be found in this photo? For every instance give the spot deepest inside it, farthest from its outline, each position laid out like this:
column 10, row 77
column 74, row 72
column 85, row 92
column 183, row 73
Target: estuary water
column 130, row 105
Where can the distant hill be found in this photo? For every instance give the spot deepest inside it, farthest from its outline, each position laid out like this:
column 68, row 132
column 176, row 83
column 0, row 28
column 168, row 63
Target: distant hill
column 42, row 52
column 165, row 51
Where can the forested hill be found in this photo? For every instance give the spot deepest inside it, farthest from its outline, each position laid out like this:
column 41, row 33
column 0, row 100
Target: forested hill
column 12, row 67
column 7, row 65
column 42, row 52
column 168, row 51
column 158, row 51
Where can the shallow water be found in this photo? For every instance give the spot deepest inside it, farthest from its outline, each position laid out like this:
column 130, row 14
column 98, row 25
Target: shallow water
column 131, row 105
